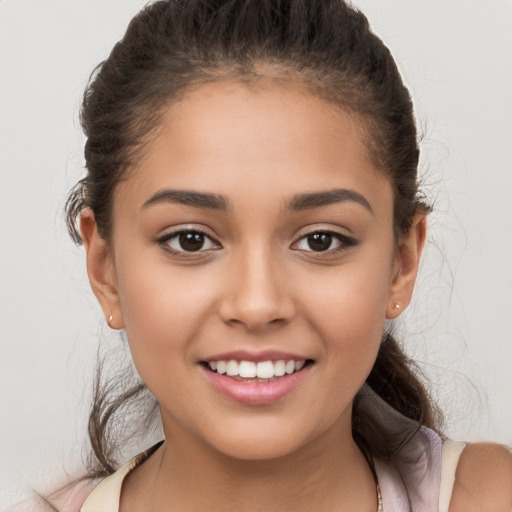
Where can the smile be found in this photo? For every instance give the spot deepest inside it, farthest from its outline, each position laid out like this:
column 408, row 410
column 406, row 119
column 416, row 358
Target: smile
column 263, row 371
column 261, row 382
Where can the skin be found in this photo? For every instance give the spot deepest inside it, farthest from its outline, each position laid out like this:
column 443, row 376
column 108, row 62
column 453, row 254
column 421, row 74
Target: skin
column 483, row 480
column 256, row 285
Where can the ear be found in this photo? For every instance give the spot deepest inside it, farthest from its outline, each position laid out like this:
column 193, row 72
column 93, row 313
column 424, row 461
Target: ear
column 100, row 269
column 407, row 261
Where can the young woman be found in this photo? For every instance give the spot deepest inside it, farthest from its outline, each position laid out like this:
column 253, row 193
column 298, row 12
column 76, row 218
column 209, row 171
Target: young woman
column 251, row 219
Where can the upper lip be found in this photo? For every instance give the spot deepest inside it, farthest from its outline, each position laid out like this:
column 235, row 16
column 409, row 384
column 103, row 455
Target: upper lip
column 256, row 357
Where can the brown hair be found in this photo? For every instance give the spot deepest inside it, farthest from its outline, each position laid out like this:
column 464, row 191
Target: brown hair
column 326, row 45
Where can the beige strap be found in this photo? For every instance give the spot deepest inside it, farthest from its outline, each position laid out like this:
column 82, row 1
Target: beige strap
column 105, row 497
column 450, row 458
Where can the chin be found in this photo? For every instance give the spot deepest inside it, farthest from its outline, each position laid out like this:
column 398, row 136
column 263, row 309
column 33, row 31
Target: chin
column 256, row 439
column 263, row 448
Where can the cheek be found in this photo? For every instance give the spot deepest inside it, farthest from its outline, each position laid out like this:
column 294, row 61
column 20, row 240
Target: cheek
column 351, row 326
column 347, row 307
column 163, row 308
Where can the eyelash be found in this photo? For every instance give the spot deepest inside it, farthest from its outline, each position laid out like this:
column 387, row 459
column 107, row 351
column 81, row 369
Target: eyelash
column 344, row 241
column 165, row 239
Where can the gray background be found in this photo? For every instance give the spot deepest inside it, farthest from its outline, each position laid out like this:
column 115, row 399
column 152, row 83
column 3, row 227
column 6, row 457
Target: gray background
column 456, row 58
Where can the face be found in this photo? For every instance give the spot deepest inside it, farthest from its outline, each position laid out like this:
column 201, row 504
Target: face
column 254, row 238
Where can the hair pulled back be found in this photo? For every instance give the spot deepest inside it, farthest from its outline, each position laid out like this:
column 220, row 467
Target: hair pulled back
column 172, row 46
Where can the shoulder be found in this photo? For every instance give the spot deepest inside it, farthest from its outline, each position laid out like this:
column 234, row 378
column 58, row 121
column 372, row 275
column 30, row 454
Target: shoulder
column 66, row 499
column 483, row 480
column 72, row 496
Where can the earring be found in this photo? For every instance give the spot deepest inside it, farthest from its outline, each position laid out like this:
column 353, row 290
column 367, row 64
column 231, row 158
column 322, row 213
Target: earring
column 110, row 318
column 397, row 306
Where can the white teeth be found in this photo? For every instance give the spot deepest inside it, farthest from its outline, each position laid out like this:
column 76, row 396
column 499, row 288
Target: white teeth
column 279, row 368
column 221, row 367
column 232, row 368
column 247, row 369
column 265, row 370
column 290, row 367
column 250, row 370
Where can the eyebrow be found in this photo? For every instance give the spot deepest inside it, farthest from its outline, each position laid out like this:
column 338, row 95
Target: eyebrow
column 217, row 202
column 189, row 198
column 326, row 198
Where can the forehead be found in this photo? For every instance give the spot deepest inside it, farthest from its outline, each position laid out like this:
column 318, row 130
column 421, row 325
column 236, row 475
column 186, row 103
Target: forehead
column 241, row 139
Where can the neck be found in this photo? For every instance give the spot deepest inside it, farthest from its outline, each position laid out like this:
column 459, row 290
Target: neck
column 328, row 474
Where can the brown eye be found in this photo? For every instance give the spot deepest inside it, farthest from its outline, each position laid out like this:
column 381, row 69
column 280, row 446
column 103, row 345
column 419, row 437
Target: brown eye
column 191, row 241
column 319, row 241
column 188, row 240
column 324, row 241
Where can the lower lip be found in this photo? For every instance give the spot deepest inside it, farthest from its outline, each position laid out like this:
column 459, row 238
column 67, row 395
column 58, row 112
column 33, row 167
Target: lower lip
column 256, row 393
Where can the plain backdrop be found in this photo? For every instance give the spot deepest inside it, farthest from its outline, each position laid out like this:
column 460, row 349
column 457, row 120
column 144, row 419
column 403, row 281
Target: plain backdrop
column 456, row 57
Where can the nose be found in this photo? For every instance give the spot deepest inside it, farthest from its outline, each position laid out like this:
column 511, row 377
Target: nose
column 255, row 294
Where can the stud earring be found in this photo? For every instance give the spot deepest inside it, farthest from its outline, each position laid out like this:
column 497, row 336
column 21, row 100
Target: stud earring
column 397, row 306
column 110, row 318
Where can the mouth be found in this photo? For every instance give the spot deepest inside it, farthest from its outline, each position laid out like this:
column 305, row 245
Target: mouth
column 256, row 383
column 261, row 371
